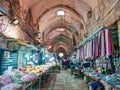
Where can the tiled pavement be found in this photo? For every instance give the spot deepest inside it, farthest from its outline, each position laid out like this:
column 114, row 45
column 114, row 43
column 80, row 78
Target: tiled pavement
column 64, row 81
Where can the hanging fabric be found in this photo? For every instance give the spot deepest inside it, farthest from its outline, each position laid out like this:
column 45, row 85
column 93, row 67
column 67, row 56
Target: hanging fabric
column 96, row 47
column 108, row 41
column 81, row 53
column 84, row 51
column 87, row 48
column 109, row 51
column 91, row 49
column 101, row 43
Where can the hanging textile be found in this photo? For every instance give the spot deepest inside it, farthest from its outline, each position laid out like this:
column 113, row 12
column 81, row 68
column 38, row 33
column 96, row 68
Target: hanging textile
column 96, row 47
column 91, row 49
column 77, row 54
column 87, row 50
column 108, row 41
column 84, row 51
column 80, row 53
column 101, row 43
column 109, row 51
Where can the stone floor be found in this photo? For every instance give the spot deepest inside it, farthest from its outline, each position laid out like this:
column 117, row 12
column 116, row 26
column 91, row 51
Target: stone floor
column 64, row 81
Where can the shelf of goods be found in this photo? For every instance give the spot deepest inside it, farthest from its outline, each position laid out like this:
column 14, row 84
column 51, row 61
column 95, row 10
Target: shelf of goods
column 28, row 78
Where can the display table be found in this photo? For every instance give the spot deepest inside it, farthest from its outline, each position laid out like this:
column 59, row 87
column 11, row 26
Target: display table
column 109, row 81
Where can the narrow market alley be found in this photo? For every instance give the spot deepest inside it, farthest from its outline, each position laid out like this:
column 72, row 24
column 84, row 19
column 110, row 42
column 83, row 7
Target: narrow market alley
column 59, row 44
column 64, row 81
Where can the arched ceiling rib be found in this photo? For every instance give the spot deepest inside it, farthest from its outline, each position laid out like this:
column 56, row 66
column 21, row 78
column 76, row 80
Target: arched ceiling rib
column 45, row 17
column 52, row 19
column 66, row 33
column 68, row 30
column 43, row 5
column 61, row 44
column 63, row 7
column 61, row 49
column 63, row 39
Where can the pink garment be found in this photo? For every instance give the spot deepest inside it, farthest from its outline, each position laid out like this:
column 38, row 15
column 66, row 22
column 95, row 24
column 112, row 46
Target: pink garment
column 90, row 49
column 108, row 42
column 101, row 43
column 87, row 47
column 85, row 50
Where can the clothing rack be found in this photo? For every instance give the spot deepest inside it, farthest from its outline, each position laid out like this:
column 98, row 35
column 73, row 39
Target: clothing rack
column 92, row 36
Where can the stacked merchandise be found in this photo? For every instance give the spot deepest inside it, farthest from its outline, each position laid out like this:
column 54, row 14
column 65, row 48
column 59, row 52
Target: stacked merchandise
column 17, row 78
column 100, row 50
column 8, row 81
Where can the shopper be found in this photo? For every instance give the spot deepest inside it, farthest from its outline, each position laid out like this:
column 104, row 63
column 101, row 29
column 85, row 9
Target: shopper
column 71, row 67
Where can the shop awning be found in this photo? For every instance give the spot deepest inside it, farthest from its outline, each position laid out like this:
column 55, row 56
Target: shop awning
column 21, row 43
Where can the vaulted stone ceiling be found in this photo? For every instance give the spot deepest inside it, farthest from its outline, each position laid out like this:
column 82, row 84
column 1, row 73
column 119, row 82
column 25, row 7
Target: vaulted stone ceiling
column 41, row 16
column 47, row 22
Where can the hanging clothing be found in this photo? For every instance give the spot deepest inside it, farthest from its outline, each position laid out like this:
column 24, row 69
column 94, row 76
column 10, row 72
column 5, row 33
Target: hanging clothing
column 91, row 49
column 96, row 47
column 84, row 51
column 101, row 43
column 109, row 49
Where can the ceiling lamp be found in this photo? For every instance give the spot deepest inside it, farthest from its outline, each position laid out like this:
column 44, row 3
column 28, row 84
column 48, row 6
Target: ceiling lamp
column 60, row 29
column 60, row 13
column 15, row 22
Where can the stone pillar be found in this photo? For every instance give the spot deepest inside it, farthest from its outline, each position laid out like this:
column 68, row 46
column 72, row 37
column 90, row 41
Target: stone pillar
column 119, row 32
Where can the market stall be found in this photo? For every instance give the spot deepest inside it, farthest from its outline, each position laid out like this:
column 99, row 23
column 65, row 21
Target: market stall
column 100, row 54
column 25, row 78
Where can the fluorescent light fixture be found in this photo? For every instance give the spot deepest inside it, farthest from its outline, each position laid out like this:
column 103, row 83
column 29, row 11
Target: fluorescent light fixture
column 60, row 13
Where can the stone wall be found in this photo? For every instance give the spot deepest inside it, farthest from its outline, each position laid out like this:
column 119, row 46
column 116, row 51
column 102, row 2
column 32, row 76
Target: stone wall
column 109, row 12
